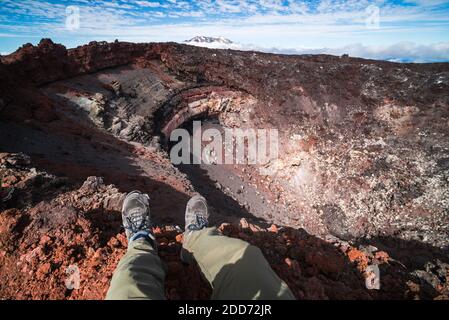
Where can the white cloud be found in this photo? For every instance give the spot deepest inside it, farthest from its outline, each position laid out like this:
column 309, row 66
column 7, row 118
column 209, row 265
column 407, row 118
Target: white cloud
column 117, row 5
column 265, row 23
column 399, row 52
column 297, row 7
column 427, row 3
column 33, row 8
column 149, row 4
column 402, row 51
column 348, row 13
column 229, row 6
column 187, row 14
column 11, row 35
column 276, row 5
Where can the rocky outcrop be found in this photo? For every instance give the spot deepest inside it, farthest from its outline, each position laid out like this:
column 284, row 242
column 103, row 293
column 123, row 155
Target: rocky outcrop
column 233, row 108
column 48, row 61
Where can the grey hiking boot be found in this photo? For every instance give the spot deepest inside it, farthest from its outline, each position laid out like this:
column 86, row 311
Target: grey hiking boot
column 136, row 217
column 197, row 214
column 197, row 218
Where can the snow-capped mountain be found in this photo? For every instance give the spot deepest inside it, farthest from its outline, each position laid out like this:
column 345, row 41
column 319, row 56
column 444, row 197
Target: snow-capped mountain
column 209, row 40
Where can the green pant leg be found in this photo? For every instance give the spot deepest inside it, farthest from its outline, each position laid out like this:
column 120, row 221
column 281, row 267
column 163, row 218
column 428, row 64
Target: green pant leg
column 234, row 268
column 139, row 275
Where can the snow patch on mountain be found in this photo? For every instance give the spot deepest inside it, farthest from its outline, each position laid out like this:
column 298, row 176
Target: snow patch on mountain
column 203, row 39
column 213, row 42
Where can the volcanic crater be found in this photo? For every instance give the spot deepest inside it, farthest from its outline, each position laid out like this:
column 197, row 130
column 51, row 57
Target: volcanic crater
column 361, row 180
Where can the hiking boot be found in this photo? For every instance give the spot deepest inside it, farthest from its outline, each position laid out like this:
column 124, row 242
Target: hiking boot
column 136, row 217
column 197, row 214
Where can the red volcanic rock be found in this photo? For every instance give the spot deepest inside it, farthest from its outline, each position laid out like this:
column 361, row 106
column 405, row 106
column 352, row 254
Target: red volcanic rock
column 359, row 257
column 39, row 64
column 44, row 270
column 92, row 240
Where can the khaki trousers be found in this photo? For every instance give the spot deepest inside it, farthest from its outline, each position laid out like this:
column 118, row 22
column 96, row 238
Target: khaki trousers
column 235, row 269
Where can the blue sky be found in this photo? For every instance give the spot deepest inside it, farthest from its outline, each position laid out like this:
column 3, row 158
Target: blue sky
column 415, row 30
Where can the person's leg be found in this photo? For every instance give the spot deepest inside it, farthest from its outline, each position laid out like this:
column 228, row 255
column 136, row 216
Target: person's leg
column 234, row 268
column 140, row 273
